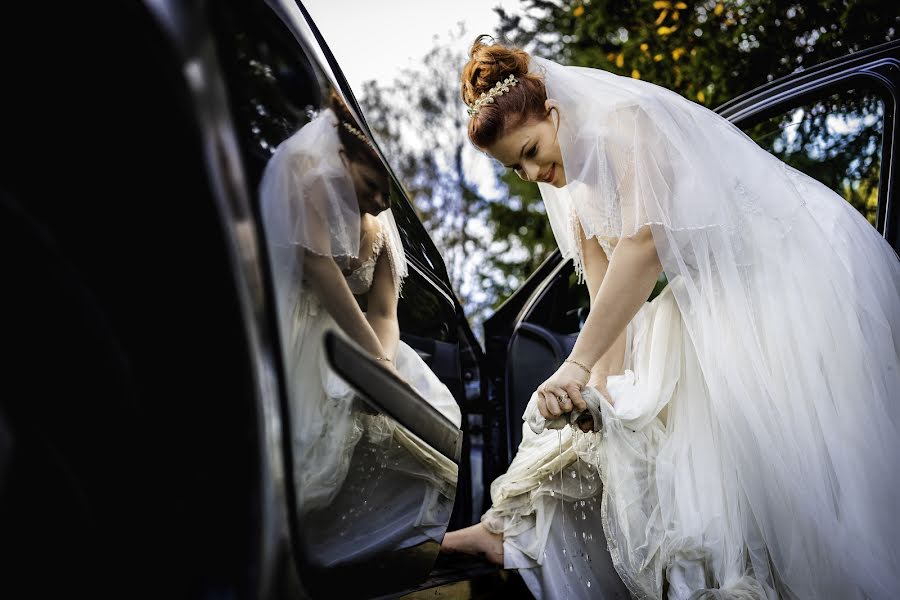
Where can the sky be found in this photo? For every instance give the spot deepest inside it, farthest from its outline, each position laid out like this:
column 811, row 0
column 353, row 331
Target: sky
column 378, row 38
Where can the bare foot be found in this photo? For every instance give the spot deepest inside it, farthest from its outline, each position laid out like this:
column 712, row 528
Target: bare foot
column 475, row 540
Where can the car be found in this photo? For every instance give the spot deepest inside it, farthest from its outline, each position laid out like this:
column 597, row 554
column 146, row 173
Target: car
column 145, row 424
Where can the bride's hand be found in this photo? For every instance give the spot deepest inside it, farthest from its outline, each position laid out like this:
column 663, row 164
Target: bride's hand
column 562, row 391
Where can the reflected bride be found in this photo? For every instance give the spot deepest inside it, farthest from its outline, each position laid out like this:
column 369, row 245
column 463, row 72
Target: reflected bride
column 333, row 241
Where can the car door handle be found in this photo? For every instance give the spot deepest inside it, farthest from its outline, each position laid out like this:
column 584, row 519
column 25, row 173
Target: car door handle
column 390, row 395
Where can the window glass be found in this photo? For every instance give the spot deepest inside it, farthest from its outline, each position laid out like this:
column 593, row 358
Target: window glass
column 370, row 497
column 836, row 140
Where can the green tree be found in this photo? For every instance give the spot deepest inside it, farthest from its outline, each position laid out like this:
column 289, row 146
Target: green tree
column 708, row 51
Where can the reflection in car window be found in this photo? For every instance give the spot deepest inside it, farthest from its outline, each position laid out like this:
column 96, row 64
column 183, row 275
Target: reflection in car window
column 275, row 99
column 836, row 140
column 336, row 263
column 415, row 239
column 274, row 90
column 332, row 238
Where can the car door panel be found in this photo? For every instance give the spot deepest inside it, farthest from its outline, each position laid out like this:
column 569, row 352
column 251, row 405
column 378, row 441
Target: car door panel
column 535, row 353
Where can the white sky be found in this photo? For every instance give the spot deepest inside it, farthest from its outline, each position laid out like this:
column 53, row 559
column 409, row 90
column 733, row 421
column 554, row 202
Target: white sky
column 378, row 38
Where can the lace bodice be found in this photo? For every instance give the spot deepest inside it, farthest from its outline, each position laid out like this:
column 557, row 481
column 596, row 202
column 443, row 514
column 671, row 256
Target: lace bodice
column 360, row 278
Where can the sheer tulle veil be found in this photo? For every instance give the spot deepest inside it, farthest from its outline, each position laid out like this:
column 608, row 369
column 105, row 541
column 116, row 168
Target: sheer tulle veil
column 792, row 302
column 308, row 204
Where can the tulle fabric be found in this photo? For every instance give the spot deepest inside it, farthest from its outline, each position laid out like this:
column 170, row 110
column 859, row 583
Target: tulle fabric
column 774, row 474
column 551, row 504
column 307, row 196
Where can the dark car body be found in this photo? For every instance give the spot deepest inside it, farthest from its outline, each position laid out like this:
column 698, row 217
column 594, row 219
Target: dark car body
column 144, row 422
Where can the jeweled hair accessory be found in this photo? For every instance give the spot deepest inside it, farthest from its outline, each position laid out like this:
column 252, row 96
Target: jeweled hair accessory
column 499, row 89
column 358, row 134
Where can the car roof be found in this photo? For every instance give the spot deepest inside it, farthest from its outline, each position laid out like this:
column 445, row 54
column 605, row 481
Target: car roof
column 771, row 94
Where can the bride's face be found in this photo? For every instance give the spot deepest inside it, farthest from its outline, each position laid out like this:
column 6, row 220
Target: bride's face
column 371, row 185
column 532, row 151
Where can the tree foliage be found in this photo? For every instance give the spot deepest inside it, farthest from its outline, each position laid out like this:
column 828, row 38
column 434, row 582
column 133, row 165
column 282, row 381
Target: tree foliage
column 707, row 51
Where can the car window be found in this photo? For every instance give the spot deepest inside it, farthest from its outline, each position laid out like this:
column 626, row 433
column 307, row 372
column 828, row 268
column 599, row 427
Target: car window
column 368, row 495
column 836, row 139
column 565, row 304
column 415, row 239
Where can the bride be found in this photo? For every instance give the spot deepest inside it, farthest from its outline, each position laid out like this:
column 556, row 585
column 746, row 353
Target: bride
column 334, row 245
column 739, row 435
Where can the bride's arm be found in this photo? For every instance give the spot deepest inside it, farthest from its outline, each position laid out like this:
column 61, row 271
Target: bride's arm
column 629, row 279
column 382, row 309
column 330, row 286
column 595, row 267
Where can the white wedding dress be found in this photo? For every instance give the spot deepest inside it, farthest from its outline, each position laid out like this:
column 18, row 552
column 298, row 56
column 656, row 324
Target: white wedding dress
column 552, row 506
column 752, row 449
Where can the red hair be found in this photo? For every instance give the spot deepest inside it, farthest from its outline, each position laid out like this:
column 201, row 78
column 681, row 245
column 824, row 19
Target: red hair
column 487, row 65
column 357, row 149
